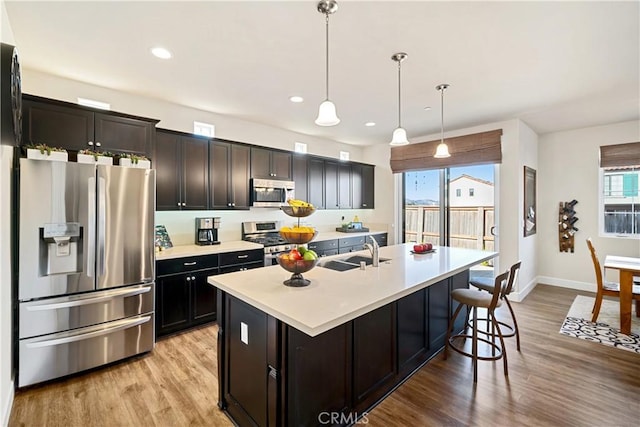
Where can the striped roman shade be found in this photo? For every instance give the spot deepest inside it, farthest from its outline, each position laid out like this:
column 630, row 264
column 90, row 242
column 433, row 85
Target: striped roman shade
column 475, row 149
column 620, row 155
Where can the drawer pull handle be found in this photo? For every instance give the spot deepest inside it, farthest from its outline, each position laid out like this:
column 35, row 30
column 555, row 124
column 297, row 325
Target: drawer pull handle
column 191, row 263
column 243, row 256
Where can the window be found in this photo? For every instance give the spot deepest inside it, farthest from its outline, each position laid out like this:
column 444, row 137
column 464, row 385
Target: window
column 620, row 201
column 458, row 193
column 300, row 147
column 344, row 155
column 471, row 192
column 204, row 129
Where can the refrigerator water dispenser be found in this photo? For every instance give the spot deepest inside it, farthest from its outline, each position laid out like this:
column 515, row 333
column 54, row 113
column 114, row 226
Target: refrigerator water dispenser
column 60, row 248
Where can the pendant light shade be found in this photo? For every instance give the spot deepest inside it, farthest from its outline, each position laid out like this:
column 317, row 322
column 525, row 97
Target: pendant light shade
column 442, row 151
column 399, row 134
column 327, row 112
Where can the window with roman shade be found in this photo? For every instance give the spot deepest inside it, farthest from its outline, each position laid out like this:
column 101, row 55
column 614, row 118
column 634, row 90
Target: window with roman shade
column 620, row 195
column 475, row 149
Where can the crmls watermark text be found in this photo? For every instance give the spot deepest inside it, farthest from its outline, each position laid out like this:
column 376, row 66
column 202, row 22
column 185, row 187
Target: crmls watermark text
column 325, row 418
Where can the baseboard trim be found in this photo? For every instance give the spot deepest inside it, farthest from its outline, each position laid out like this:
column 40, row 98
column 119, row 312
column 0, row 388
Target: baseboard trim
column 571, row 284
column 520, row 295
column 6, row 406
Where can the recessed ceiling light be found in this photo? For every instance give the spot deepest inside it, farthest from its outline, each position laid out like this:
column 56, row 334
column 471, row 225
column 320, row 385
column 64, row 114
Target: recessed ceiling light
column 161, row 52
column 427, row 108
column 296, row 99
column 369, row 124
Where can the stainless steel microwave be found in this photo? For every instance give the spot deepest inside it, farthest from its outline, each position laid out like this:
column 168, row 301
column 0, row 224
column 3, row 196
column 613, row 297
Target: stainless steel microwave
column 271, row 193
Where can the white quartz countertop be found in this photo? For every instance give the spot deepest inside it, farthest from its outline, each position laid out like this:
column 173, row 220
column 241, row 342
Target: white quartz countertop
column 334, row 297
column 330, row 235
column 195, row 250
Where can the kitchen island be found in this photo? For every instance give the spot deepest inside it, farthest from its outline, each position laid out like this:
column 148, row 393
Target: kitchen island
column 328, row 352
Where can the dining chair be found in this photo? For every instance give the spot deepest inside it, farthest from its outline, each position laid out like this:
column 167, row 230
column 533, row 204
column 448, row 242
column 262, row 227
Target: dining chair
column 472, row 300
column 487, row 284
column 606, row 288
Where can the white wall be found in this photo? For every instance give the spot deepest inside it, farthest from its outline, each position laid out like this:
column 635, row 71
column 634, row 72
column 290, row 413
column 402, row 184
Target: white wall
column 6, row 159
column 528, row 277
column 568, row 169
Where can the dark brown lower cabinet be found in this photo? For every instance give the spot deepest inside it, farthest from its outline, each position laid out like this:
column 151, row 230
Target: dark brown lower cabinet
column 271, row 374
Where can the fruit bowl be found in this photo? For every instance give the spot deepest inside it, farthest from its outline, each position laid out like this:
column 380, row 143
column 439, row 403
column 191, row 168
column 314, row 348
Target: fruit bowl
column 298, row 211
column 294, row 236
column 297, row 267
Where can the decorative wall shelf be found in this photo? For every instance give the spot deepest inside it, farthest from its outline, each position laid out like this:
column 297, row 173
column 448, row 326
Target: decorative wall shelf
column 566, row 225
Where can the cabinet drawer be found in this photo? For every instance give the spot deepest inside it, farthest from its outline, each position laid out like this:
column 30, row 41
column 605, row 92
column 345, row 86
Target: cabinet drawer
column 324, row 245
column 241, row 257
column 183, row 265
column 241, row 267
column 381, row 239
column 351, row 241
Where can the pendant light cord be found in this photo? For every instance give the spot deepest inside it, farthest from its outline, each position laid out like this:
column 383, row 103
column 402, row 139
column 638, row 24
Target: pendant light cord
column 442, row 115
column 327, row 55
column 399, row 91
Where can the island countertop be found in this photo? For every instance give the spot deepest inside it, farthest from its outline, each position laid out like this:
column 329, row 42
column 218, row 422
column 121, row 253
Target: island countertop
column 333, row 297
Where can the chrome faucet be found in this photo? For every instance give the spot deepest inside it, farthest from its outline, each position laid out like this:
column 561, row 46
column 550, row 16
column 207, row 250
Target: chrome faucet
column 374, row 248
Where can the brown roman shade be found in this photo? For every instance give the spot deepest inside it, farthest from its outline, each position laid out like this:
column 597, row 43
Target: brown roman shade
column 620, row 155
column 475, row 149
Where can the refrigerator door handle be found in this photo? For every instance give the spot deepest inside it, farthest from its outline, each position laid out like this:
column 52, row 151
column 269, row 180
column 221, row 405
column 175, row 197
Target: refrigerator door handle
column 90, row 300
column 91, row 219
column 102, row 210
column 74, row 336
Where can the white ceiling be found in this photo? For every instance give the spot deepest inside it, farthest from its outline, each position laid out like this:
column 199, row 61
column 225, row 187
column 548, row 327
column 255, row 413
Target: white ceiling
column 555, row 65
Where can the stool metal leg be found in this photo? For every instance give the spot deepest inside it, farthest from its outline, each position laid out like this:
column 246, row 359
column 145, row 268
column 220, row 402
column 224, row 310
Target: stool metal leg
column 515, row 323
column 474, row 345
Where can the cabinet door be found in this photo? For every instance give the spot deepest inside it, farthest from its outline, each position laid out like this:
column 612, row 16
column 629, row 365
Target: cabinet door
column 166, row 162
column 172, row 303
column 316, row 183
column 438, row 314
column 203, row 298
column 260, row 163
column 356, row 186
column 344, row 186
column 368, row 186
column 331, row 185
column 300, row 176
column 195, row 173
column 123, row 134
column 281, row 165
column 219, row 159
column 240, row 176
column 56, row 125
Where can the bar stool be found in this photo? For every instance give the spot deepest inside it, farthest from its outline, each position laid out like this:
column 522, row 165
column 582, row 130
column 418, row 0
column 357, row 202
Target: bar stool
column 487, row 284
column 472, row 299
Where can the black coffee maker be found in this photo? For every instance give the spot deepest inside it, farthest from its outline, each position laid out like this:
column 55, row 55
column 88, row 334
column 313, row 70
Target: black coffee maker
column 207, row 231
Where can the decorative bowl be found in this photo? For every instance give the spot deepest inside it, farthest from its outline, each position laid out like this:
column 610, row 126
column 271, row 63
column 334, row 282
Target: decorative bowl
column 298, row 211
column 295, row 266
column 298, row 236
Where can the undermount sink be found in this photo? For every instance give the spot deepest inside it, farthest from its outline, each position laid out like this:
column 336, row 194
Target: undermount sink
column 349, row 263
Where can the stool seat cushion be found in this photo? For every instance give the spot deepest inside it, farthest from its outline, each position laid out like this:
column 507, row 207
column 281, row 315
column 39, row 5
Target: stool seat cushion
column 484, row 283
column 473, row 298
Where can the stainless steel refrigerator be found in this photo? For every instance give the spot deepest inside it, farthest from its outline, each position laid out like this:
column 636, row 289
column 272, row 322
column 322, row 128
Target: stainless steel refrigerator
column 85, row 267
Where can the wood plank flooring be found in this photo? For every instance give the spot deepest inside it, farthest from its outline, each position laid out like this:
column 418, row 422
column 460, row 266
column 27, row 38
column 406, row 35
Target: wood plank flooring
column 555, row 381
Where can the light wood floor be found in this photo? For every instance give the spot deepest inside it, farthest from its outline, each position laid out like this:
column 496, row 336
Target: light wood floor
column 554, row 381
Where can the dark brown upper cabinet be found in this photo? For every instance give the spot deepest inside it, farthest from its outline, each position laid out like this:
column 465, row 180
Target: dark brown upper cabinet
column 300, row 175
column 229, row 165
column 270, row 164
column 362, row 186
column 182, row 171
column 70, row 126
column 316, row 183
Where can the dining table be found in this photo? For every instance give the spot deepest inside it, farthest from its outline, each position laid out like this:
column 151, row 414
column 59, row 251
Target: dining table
column 628, row 268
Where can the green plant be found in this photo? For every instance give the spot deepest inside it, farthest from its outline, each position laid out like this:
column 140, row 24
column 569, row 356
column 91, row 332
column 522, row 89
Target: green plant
column 95, row 154
column 44, row 148
column 135, row 158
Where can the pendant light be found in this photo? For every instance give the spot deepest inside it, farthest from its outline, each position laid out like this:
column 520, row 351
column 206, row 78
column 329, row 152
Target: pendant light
column 442, row 151
column 327, row 112
column 399, row 134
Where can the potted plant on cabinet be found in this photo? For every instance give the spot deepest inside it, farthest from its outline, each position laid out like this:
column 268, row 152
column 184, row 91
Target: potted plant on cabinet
column 91, row 156
column 45, row 152
column 134, row 161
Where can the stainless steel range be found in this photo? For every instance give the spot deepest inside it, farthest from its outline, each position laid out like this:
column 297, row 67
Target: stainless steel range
column 266, row 233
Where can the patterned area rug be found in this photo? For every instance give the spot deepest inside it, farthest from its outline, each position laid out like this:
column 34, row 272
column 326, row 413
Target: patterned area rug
column 606, row 330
